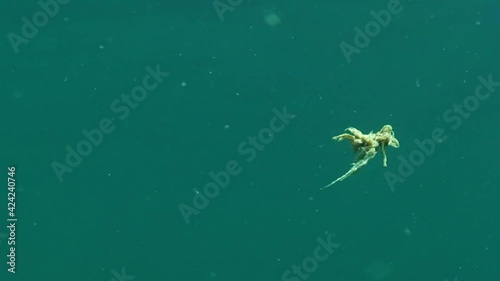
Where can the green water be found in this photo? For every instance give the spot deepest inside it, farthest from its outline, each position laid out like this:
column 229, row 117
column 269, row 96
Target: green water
column 118, row 114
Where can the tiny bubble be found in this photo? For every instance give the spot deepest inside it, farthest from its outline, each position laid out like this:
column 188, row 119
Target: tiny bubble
column 407, row 231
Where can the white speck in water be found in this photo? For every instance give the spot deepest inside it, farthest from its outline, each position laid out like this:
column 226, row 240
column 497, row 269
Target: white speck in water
column 417, row 82
column 407, row 231
column 183, row 84
column 271, row 18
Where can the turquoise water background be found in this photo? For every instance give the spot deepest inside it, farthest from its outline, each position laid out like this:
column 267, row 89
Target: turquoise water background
column 124, row 211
